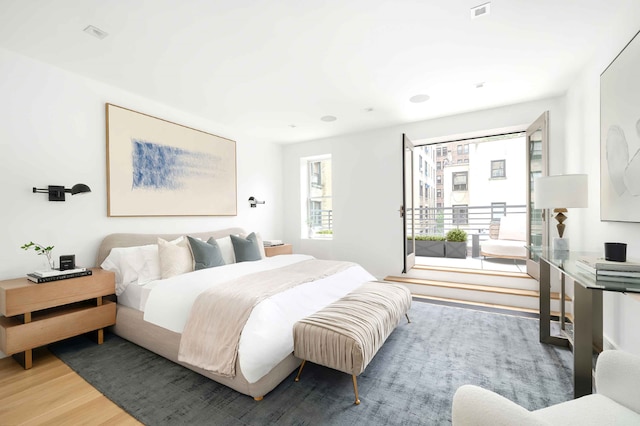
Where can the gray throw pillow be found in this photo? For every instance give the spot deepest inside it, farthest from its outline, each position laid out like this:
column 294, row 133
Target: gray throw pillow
column 246, row 249
column 205, row 255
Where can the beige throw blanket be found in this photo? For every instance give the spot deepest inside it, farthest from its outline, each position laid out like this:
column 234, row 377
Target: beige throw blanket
column 212, row 334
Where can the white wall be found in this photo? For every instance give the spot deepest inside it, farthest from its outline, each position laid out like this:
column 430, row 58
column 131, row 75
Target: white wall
column 367, row 182
column 53, row 133
column 621, row 312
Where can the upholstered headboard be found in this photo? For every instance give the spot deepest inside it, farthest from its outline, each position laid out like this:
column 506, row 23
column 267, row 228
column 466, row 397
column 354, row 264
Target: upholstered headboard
column 132, row 240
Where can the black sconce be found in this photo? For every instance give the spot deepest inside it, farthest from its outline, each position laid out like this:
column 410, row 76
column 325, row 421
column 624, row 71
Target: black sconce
column 56, row 193
column 253, row 202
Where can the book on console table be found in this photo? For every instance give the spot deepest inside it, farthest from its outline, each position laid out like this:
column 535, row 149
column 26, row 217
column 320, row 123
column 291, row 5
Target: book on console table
column 272, row 243
column 52, row 272
column 600, row 266
column 63, row 276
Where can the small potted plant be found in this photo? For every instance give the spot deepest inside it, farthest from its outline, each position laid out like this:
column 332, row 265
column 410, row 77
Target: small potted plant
column 456, row 244
column 430, row 245
column 41, row 250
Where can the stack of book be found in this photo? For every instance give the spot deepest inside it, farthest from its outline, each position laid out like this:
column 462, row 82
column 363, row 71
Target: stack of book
column 272, row 243
column 55, row 275
column 606, row 270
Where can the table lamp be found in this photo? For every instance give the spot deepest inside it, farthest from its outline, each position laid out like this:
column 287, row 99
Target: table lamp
column 559, row 193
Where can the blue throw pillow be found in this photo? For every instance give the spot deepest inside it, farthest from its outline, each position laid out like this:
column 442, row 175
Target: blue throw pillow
column 246, row 249
column 205, row 255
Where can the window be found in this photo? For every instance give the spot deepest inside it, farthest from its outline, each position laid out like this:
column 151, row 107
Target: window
column 444, row 150
column 439, row 193
column 439, row 165
column 315, row 173
column 317, row 211
column 466, row 148
column 420, row 162
column 460, row 214
column 439, row 151
column 460, row 181
column 421, row 191
column 459, row 149
column 498, row 210
column 498, row 169
column 439, row 179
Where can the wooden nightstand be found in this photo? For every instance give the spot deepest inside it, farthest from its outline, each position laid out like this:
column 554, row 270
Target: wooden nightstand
column 276, row 250
column 35, row 315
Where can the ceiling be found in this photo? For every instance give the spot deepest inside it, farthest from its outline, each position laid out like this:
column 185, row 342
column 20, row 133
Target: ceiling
column 272, row 68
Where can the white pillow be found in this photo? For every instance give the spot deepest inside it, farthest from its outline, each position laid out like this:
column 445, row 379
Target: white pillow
column 139, row 264
column 260, row 243
column 226, row 248
column 513, row 227
column 175, row 257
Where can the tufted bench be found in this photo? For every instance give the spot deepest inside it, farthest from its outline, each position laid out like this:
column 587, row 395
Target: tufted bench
column 347, row 334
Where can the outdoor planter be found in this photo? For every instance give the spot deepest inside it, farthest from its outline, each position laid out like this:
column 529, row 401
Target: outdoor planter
column 456, row 249
column 430, row 248
column 456, row 244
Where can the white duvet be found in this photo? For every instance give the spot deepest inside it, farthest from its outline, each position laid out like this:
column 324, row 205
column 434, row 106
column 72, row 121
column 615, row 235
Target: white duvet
column 267, row 337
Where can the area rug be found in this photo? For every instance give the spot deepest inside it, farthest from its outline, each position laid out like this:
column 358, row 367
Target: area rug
column 410, row 381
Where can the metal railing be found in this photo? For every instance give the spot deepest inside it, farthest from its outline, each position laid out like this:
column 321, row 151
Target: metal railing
column 472, row 219
column 321, row 221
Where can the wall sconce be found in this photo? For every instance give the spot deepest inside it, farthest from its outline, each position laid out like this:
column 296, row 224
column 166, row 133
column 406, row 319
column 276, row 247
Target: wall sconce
column 56, row 193
column 253, row 202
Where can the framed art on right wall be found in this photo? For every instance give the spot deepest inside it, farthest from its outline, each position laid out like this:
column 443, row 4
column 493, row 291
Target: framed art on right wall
column 620, row 136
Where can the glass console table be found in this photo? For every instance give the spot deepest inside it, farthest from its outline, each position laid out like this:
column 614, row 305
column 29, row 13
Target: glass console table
column 587, row 310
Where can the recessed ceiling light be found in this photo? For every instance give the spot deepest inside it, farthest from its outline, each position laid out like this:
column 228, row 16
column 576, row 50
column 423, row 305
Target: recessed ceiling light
column 482, row 10
column 293, row 126
column 95, row 31
column 368, row 110
column 480, row 85
column 328, row 118
column 416, row 99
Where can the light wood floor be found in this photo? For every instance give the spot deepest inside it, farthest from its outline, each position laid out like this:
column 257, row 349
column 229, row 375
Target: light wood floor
column 51, row 393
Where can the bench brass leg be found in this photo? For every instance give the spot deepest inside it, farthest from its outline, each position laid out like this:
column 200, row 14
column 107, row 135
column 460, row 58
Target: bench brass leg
column 408, row 320
column 258, row 398
column 300, row 370
column 355, row 389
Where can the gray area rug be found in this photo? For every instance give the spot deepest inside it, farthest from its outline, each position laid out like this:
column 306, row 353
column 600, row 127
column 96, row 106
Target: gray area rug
column 411, row 380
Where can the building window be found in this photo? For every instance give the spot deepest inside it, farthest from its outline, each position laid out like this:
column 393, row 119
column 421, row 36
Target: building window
column 498, row 169
column 460, row 214
column 466, row 148
column 439, row 165
column 439, row 151
column 498, row 210
column 315, row 173
column 421, row 191
column 317, row 216
column 460, row 181
column 444, row 150
column 439, row 193
column 439, row 179
column 459, row 149
column 420, row 162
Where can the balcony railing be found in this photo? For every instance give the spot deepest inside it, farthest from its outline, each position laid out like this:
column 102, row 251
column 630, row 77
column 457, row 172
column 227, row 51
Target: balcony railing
column 472, row 219
column 321, row 221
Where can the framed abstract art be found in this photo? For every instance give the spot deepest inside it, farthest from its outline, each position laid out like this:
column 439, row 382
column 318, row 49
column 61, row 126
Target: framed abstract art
column 620, row 136
column 159, row 168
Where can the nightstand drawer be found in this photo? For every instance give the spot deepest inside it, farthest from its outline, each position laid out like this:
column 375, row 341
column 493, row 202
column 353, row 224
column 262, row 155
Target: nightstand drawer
column 54, row 325
column 277, row 250
column 21, row 295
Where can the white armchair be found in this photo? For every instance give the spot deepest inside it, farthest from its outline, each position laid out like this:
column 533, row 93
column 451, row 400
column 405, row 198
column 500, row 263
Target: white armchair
column 617, row 401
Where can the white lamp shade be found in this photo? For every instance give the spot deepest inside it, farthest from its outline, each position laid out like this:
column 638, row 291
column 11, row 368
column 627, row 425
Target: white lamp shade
column 562, row 191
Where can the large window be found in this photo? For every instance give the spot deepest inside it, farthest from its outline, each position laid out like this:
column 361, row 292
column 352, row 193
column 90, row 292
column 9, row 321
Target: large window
column 317, row 219
column 460, row 181
column 498, row 169
column 461, row 214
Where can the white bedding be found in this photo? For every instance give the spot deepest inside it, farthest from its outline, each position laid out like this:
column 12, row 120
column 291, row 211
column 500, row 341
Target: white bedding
column 267, row 337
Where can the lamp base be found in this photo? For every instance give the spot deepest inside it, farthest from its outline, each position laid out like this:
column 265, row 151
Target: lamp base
column 560, row 244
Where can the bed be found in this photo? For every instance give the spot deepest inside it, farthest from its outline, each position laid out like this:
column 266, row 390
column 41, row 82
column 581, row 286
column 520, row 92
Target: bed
column 153, row 313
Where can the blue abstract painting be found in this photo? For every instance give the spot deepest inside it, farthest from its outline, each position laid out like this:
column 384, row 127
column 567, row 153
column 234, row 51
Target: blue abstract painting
column 159, row 168
column 163, row 167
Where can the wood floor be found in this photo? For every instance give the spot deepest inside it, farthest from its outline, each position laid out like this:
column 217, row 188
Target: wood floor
column 51, row 393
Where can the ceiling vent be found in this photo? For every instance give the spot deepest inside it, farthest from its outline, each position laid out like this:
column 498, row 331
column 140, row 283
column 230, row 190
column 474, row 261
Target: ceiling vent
column 482, row 10
column 96, row 32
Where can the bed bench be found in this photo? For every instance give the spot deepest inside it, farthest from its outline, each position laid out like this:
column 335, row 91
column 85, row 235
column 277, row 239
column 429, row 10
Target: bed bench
column 347, row 334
